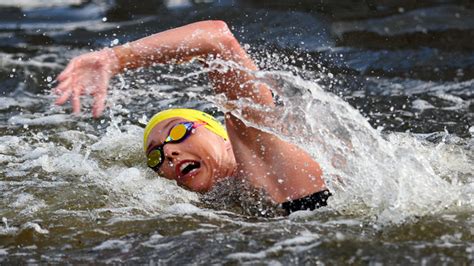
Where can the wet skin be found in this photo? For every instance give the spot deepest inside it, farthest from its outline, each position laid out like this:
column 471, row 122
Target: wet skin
column 197, row 162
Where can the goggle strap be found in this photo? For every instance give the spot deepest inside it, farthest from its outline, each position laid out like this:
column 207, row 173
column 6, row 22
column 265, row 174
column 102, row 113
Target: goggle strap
column 197, row 124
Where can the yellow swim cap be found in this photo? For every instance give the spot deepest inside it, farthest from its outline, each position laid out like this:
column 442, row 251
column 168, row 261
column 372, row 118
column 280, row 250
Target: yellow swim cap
column 189, row 114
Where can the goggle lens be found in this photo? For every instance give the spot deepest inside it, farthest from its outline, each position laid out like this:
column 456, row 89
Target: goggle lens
column 154, row 158
column 178, row 132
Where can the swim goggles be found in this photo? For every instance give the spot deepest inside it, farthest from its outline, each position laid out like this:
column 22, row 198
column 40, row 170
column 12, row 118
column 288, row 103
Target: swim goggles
column 178, row 133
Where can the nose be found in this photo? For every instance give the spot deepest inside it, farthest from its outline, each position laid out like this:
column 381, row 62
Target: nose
column 171, row 151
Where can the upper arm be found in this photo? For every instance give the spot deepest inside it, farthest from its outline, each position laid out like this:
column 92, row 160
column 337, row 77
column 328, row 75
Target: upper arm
column 283, row 169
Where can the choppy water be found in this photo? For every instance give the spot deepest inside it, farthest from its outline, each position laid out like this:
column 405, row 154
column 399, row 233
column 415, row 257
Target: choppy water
column 75, row 189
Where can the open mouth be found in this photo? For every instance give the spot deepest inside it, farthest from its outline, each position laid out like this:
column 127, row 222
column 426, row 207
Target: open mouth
column 187, row 167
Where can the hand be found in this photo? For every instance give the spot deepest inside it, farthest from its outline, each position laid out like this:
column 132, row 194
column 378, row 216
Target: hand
column 87, row 74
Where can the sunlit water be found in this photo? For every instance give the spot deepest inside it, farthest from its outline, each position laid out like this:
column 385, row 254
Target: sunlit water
column 75, row 189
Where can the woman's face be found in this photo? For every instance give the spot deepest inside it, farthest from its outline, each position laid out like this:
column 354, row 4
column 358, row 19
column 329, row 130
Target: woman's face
column 197, row 162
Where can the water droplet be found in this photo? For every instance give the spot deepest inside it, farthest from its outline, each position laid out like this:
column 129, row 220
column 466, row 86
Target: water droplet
column 5, row 222
column 114, row 42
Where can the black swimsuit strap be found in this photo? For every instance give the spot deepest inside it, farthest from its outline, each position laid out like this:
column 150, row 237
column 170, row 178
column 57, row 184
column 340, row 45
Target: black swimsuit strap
column 311, row 202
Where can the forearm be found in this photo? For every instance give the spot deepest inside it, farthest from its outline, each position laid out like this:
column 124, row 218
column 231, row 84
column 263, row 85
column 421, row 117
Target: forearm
column 207, row 39
column 174, row 45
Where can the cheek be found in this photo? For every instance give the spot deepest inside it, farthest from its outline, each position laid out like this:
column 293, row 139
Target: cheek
column 208, row 147
column 167, row 172
column 210, row 150
column 202, row 144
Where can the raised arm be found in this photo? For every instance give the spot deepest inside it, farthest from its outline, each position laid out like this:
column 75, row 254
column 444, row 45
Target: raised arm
column 90, row 73
column 206, row 40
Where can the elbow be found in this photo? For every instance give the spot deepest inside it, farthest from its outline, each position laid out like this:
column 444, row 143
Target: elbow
column 217, row 26
column 220, row 36
column 224, row 33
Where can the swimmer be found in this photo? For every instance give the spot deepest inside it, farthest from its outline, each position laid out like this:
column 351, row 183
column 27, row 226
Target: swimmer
column 189, row 146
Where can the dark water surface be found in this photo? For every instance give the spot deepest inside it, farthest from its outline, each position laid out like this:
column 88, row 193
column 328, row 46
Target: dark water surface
column 75, row 189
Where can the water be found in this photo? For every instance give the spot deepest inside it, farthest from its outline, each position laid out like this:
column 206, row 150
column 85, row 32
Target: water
column 75, row 189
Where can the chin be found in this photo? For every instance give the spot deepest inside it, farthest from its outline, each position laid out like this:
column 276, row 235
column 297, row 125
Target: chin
column 201, row 184
column 201, row 188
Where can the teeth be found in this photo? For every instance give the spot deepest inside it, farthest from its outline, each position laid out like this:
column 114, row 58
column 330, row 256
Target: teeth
column 181, row 168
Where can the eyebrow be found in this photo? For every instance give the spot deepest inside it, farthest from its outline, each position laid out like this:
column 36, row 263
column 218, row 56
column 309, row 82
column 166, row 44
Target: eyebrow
column 152, row 144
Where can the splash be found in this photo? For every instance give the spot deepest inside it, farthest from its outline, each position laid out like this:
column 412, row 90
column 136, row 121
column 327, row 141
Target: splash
column 386, row 178
column 107, row 169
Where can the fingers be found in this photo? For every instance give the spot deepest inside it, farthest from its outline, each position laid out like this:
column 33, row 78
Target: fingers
column 99, row 105
column 62, row 87
column 83, row 72
column 64, row 74
column 63, row 98
column 99, row 98
column 66, row 91
column 63, row 90
column 76, row 101
column 66, row 95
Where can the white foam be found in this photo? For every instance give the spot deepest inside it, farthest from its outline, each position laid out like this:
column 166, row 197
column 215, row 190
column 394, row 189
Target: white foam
column 348, row 222
column 297, row 244
column 36, row 227
column 123, row 144
column 34, row 120
column 7, row 102
column 28, row 204
column 69, row 164
column 39, row 3
column 114, row 244
column 183, row 208
column 7, row 158
column 10, row 144
column 154, row 242
column 8, row 231
column 104, row 161
column 421, row 105
column 305, row 238
column 197, row 231
column 256, row 255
